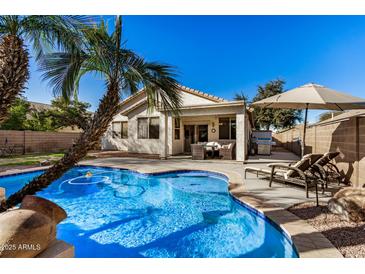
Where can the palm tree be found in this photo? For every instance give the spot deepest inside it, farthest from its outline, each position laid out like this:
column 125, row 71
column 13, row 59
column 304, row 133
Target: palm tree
column 39, row 31
column 123, row 71
column 240, row 96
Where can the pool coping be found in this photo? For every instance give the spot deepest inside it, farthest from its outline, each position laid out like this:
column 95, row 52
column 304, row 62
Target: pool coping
column 308, row 242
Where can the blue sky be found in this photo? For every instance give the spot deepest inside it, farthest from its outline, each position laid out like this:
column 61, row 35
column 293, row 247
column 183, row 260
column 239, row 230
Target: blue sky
column 222, row 55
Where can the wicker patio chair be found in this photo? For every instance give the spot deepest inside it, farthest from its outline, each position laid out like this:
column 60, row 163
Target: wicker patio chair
column 198, row 151
column 227, row 152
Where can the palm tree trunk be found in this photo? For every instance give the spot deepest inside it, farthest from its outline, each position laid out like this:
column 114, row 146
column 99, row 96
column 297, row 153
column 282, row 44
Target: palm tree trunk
column 89, row 139
column 14, row 72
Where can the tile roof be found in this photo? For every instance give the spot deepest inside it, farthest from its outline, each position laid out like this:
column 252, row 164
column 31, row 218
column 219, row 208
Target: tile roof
column 202, row 94
column 196, row 92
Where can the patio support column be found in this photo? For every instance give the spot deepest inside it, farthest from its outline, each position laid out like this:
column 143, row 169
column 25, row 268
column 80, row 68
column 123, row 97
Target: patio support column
column 164, row 138
column 240, row 137
column 169, row 133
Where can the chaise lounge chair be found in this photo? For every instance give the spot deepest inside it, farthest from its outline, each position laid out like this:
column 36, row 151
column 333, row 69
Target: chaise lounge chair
column 298, row 174
column 327, row 170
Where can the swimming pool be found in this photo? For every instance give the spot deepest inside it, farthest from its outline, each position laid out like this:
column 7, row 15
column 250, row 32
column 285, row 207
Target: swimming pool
column 122, row 213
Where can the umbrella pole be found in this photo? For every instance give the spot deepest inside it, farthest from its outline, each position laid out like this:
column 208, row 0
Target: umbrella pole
column 304, row 129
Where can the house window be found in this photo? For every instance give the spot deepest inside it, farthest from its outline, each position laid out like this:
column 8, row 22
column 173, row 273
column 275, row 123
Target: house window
column 116, row 129
column 223, row 128
column 233, row 129
column 227, row 128
column 177, row 129
column 154, row 129
column 149, row 128
column 142, row 128
column 203, row 133
column 124, row 126
column 120, row 129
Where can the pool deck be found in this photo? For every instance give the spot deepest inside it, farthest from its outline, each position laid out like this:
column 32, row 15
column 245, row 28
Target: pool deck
column 252, row 191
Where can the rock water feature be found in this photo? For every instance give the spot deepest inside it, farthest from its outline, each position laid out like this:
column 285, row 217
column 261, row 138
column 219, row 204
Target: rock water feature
column 30, row 230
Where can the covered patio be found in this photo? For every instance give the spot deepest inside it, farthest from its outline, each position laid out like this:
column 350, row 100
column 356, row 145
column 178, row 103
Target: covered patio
column 209, row 127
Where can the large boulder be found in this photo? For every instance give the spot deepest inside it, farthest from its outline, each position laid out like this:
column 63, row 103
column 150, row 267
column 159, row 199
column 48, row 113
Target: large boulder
column 27, row 231
column 44, row 206
column 24, row 233
column 349, row 203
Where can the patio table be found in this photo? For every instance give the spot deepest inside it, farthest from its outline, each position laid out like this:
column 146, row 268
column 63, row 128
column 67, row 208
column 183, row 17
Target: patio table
column 214, row 148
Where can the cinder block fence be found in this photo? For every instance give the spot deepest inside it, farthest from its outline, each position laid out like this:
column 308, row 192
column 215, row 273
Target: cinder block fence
column 37, row 141
column 346, row 136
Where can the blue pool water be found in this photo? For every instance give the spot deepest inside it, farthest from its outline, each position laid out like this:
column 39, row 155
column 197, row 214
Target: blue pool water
column 120, row 213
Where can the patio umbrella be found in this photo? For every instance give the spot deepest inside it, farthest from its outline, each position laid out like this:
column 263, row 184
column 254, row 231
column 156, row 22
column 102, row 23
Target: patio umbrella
column 312, row 96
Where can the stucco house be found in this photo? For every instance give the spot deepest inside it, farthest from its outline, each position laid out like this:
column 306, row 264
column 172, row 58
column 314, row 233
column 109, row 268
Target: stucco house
column 203, row 118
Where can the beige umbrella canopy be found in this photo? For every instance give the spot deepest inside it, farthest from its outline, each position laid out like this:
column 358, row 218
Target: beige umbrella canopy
column 312, row 96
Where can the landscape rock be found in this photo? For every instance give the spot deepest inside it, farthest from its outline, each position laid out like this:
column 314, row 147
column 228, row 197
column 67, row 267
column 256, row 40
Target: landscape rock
column 2, row 193
column 24, row 233
column 29, row 230
column 44, row 206
column 349, row 204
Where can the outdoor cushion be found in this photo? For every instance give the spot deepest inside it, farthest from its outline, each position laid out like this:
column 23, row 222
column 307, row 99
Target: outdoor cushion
column 227, row 146
column 303, row 164
column 327, row 157
column 215, row 144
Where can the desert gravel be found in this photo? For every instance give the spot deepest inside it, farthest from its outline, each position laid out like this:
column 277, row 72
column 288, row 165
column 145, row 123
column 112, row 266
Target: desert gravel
column 347, row 237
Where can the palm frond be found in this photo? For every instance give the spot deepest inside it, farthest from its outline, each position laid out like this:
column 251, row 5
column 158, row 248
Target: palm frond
column 10, row 24
column 62, row 70
column 117, row 34
column 53, row 31
column 157, row 79
column 161, row 80
column 101, row 54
